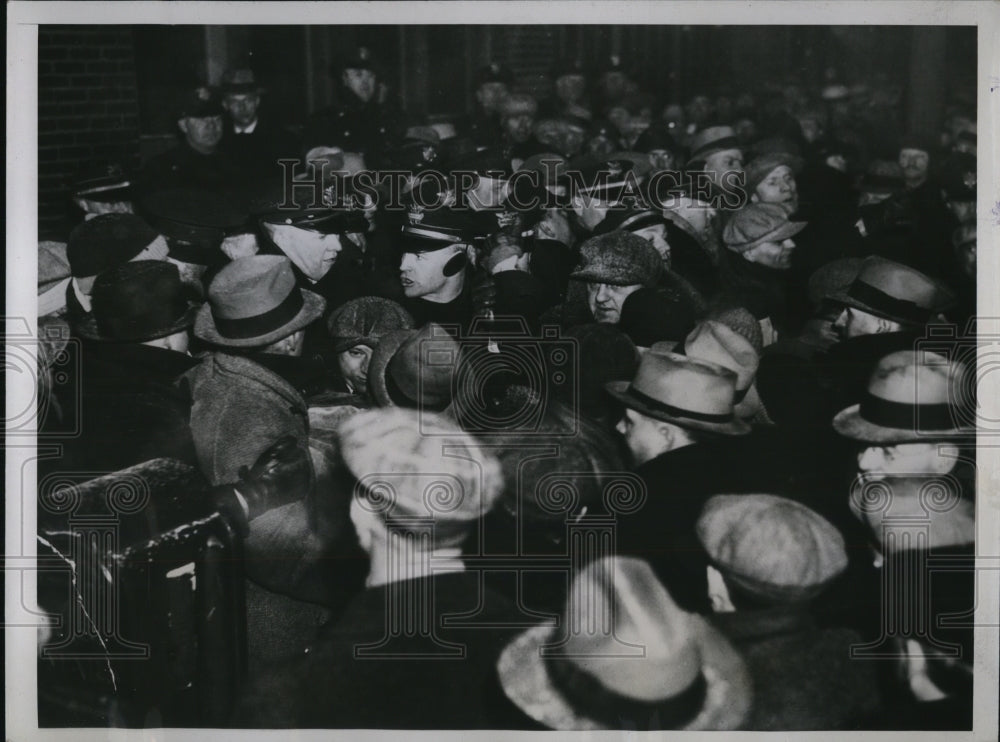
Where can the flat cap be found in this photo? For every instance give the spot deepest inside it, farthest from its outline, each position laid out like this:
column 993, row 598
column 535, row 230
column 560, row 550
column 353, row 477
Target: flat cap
column 363, row 321
column 756, row 223
column 770, row 546
column 619, row 259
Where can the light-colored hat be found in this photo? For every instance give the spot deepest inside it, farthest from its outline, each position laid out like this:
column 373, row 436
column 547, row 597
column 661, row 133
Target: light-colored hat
column 253, row 302
column 626, row 650
column 690, row 393
column 756, row 223
column 771, row 546
column 412, row 463
column 895, row 291
column 713, row 341
column 518, row 104
column 912, row 396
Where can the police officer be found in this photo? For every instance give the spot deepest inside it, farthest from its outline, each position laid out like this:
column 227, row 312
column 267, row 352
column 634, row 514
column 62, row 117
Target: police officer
column 361, row 120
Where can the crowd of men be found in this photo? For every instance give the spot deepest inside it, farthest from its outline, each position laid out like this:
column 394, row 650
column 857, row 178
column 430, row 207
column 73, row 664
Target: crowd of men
column 733, row 333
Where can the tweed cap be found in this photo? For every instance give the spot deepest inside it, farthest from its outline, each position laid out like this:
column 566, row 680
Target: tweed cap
column 418, row 464
column 831, row 279
column 770, row 546
column 619, row 259
column 363, row 321
column 741, row 321
column 756, row 223
column 105, row 241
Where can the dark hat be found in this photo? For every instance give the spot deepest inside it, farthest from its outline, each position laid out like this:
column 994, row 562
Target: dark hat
column 105, row 241
column 912, row 396
column 771, row 547
column 712, row 139
column 763, row 165
column 483, row 161
column 628, row 219
column 882, row 176
column 494, row 72
column 692, row 394
column 254, row 301
column 607, row 179
column 832, row 278
column 414, row 368
column 363, row 321
column 917, row 141
column 434, row 229
column 138, row 301
column 195, row 222
column 895, row 292
column 619, row 259
column 237, row 82
column 774, row 146
column 649, row 316
column 756, row 223
column 357, row 58
column 624, row 653
column 958, row 176
column 323, row 221
column 199, row 103
column 106, row 184
column 656, row 137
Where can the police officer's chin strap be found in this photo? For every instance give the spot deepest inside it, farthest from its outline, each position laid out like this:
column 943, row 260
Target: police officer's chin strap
column 282, row 474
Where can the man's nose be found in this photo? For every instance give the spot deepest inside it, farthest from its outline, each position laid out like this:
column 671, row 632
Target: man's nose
column 603, row 293
column 870, row 459
column 841, row 321
column 406, row 263
column 620, row 426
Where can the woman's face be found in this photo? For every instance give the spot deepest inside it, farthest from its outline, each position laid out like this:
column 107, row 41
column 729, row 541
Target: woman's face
column 353, row 365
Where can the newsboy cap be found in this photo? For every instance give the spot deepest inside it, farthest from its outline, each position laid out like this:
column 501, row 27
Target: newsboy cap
column 105, row 241
column 363, row 321
column 619, row 259
column 418, row 464
column 756, row 223
column 763, row 165
column 771, row 547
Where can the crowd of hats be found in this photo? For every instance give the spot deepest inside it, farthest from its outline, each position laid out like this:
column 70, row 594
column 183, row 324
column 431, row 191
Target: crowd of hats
column 683, row 356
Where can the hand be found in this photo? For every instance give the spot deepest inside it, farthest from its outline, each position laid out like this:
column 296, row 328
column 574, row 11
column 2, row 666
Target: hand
column 281, row 475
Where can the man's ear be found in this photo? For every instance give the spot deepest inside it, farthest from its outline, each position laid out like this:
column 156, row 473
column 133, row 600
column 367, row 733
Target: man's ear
column 666, row 431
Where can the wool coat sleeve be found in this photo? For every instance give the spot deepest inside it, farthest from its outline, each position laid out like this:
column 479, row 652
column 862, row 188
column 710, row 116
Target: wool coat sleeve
column 239, row 410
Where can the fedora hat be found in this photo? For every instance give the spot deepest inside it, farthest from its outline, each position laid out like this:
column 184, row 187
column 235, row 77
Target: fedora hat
column 712, row 139
column 895, row 291
column 690, row 393
column 254, row 301
column 713, row 341
column 239, row 82
column 912, row 397
column 138, row 301
column 656, row 666
column 413, row 367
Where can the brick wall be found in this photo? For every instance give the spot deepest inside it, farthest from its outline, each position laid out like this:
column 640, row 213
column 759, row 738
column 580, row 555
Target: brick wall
column 87, row 113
